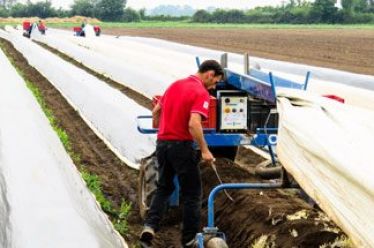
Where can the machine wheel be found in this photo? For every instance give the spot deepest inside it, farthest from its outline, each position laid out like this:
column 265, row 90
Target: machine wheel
column 27, row 35
column 147, row 183
column 216, row 243
column 225, row 152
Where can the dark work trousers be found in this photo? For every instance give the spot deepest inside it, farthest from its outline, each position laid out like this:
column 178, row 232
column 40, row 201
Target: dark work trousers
column 181, row 159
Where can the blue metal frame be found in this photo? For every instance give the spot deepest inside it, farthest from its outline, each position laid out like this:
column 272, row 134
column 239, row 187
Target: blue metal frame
column 306, row 80
column 212, row 138
column 265, row 137
column 262, row 85
column 197, row 62
column 250, row 84
column 211, row 229
column 220, row 187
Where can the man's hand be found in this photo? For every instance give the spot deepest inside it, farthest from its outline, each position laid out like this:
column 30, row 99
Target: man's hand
column 207, row 157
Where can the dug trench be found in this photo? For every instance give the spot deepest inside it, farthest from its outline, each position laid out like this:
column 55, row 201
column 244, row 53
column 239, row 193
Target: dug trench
column 274, row 218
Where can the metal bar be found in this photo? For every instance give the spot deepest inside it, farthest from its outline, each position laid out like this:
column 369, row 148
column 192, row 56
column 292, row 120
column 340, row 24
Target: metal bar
column 224, row 60
column 306, row 80
column 155, row 130
column 220, row 187
column 211, row 136
column 197, row 62
column 272, row 155
column 200, row 240
column 220, row 181
column 246, row 63
column 273, row 86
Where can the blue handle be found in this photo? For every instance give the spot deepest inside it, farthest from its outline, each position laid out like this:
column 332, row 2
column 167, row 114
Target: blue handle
column 220, row 187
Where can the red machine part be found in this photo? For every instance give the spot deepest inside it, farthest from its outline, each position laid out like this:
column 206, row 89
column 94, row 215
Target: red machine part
column 97, row 29
column 77, row 29
column 26, row 25
column 210, row 122
column 41, row 27
column 336, row 98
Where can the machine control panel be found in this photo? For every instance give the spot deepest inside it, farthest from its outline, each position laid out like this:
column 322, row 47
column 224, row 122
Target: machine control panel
column 233, row 114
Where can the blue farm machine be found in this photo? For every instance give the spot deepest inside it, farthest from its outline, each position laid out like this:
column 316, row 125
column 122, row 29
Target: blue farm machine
column 242, row 112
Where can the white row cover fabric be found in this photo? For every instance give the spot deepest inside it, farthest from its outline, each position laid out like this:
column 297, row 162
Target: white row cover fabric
column 43, row 200
column 328, row 148
column 109, row 113
column 149, row 65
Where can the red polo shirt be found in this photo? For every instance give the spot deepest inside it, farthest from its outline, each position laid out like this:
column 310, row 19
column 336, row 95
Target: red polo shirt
column 182, row 98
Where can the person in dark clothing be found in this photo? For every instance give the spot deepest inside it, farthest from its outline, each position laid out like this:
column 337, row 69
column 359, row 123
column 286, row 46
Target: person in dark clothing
column 179, row 113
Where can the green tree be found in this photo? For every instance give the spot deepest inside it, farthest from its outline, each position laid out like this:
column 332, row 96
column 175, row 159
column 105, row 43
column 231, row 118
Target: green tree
column 347, row 5
column 358, row 6
column 235, row 16
column 324, row 11
column 371, row 6
column 201, row 16
column 111, row 10
column 130, row 15
column 142, row 14
column 42, row 9
column 19, row 10
column 7, row 4
column 361, row 6
column 60, row 12
column 228, row 16
column 3, row 12
column 291, row 4
column 83, row 8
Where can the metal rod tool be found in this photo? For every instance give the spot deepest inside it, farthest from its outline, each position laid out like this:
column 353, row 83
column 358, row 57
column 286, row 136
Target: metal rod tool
column 220, row 180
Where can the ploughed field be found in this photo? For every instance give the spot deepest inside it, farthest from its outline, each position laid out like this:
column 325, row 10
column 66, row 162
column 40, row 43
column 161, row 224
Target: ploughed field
column 280, row 218
column 344, row 49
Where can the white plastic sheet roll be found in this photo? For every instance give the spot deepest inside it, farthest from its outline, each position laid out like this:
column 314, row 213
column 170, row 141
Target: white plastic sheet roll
column 43, row 200
column 109, row 113
column 327, row 147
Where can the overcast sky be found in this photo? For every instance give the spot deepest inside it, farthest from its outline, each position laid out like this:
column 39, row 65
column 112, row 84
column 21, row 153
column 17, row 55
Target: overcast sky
column 149, row 4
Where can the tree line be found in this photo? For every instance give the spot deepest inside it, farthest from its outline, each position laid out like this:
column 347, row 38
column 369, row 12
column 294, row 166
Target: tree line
column 293, row 12
column 106, row 10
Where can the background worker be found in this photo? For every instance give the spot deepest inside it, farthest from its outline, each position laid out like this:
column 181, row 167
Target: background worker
column 180, row 112
column 41, row 27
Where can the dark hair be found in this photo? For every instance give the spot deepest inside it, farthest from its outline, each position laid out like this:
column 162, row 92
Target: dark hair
column 213, row 65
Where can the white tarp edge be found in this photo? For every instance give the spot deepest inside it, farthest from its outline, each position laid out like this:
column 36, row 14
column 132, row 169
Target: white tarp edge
column 109, row 113
column 43, row 200
column 327, row 147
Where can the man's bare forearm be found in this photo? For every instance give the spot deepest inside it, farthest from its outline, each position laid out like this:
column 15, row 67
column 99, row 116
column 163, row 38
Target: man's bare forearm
column 156, row 114
column 196, row 131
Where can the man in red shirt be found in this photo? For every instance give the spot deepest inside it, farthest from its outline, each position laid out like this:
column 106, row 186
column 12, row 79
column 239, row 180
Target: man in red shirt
column 180, row 112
